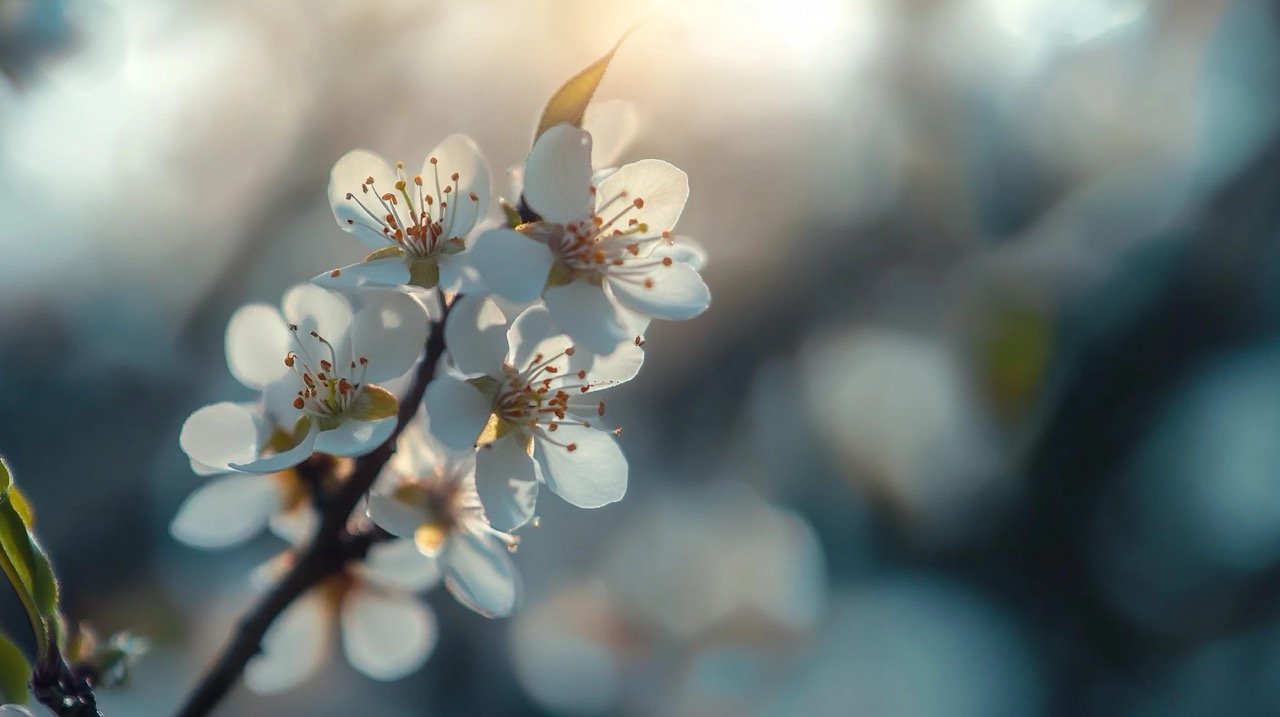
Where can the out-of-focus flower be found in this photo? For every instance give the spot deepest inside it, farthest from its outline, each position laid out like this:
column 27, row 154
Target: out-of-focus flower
column 387, row 632
column 601, row 257
column 416, row 226
column 526, row 398
column 699, row 574
column 318, row 366
column 232, row 508
column 427, row 494
column 613, row 126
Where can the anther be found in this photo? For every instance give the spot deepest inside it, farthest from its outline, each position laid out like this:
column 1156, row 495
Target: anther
column 334, row 274
column 638, row 203
column 572, row 447
column 666, row 261
column 648, row 283
column 454, row 176
column 289, row 360
column 298, row 403
column 600, row 409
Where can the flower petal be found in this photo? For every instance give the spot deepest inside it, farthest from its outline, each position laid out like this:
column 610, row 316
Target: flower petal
column 354, row 437
column 618, row 367
column 389, row 272
column 313, row 308
column 587, row 315
column 457, row 411
column 682, row 248
column 672, row 292
column 511, row 264
column 399, row 564
column 476, row 334
column 296, row 526
column 293, row 648
column 534, row 333
column 591, row 475
column 347, row 177
column 257, row 341
column 280, row 461
column 386, row 636
column 458, row 154
column 222, row 434
column 507, row 481
column 394, row 516
column 613, row 126
column 480, row 575
column 663, row 188
column 557, row 175
column 225, row 511
column 390, row 332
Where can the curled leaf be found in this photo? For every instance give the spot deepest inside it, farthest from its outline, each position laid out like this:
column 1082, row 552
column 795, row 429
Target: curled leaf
column 15, row 672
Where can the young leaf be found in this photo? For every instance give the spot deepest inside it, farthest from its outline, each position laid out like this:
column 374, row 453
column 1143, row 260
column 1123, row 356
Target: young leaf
column 569, row 102
column 15, row 672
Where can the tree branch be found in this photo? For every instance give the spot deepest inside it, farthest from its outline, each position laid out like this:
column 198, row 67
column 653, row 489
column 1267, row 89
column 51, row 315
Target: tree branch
column 331, row 548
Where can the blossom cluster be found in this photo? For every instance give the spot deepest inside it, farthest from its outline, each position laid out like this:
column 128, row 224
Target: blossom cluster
column 542, row 308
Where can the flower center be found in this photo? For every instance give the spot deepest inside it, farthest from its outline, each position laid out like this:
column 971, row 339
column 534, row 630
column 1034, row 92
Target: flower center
column 607, row 244
column 543, row 396
column 416, row 215
column 330, row 387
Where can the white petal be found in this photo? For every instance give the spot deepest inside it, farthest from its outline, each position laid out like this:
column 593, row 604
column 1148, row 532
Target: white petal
column 222, row 434
column 399, row 564
column 457, row 411
column 677, row 292
column 256, row 343
column 295, row 526
column 533, row 333
column 203, row 470
column 388, row 272
column 682, row 248
column 418, row 452
column 390, row 332
column 394, row 516
column 14, row 711
column 458, row 153
column 613, row 126
column 557, row 175
column 347, row 177
column 226, row 511
column 476, row 334
column 591, row 475
column 618, row 367
column 386, row 636
column 312, row 308
column 355, row 438
column 294, row 647
column 587, row 315
column 280, row 461
column 480, row 575
column 662, row 186
column 507, row 480
column 511, row 264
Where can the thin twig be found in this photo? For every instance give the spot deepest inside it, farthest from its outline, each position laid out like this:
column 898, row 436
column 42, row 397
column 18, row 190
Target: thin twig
column 331, row 549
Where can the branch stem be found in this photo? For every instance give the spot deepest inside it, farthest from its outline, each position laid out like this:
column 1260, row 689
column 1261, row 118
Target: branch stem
column 331, row 549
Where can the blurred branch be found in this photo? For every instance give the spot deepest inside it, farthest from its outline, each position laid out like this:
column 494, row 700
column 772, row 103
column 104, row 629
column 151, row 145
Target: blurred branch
column 66, row 692
column 331, row 548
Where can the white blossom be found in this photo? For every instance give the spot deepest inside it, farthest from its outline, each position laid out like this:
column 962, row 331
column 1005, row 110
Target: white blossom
column 417, row 226
column 528, row 399
column 318, row 367
column 602, row 257
column 427, row 493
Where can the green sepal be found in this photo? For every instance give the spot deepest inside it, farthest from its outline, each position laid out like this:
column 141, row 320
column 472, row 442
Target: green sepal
column 424, row 272
column 569, row 103
column 15, row 672
column 386, row 252
column 26, row 565
column 375, row 403
column 511, row 213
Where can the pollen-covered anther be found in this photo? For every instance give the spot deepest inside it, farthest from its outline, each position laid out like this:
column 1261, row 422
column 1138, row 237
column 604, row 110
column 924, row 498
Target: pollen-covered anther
column 298, row 403
column 638, row 202
column 417, row 179
column 600, row 409
column 571, row 447
column 666, row 261
column 648, row 283
column 474, row 197
column 335, row 273
column 289, row 359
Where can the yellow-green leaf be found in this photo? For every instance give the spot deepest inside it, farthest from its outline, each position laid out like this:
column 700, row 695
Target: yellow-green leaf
column 569, row 102
column 15, row 672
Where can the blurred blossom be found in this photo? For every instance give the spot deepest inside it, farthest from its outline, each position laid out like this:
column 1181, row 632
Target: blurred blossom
column 1072, row 22
column 1196, row 513
column 915, row 647
column 899, row 412
column 701, row 582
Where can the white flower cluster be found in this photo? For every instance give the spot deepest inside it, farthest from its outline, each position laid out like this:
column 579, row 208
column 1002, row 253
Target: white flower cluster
column 540, row 316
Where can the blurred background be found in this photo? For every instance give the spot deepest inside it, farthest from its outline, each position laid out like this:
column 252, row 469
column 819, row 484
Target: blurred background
column 983, row 420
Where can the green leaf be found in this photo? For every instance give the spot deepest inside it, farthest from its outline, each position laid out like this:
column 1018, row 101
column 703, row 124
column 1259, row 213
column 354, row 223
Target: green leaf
column 569, row 102
column 6, row 479
column 25, row 564
column 15, row 672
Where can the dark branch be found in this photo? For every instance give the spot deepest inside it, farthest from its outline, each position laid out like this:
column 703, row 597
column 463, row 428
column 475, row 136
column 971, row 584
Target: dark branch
column 331, row 549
